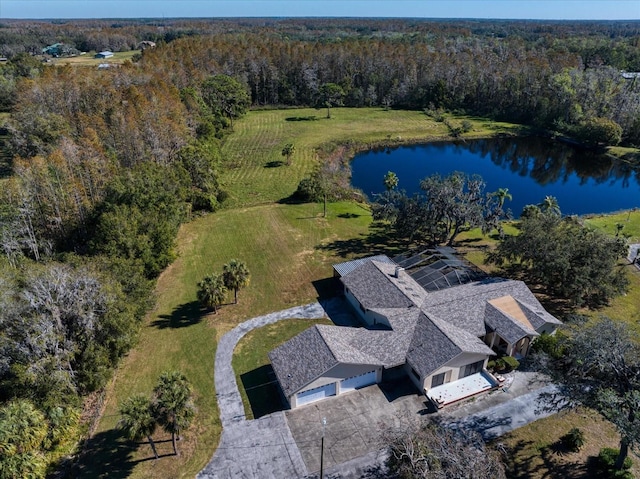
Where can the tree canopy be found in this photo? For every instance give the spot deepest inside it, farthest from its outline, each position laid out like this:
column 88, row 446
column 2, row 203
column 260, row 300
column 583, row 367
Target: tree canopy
column 436, row 452
column 212, row 291
column 235, row 275
column 566, row 258
column 445, row 207
column 600, row 368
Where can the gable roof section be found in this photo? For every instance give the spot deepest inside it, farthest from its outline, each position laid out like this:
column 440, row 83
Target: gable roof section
column 374, row 288
column 430, row 348
column 465, row 306
column 300, row 360
column 436, row 342
column 508, row 327
column 348, row 266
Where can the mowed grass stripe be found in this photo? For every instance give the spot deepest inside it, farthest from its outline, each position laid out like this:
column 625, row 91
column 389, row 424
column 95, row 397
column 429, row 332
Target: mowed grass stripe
column 259, row 137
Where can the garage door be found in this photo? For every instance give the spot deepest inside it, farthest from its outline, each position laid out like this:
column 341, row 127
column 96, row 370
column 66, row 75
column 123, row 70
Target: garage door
column 316, row 394
column 355, row 382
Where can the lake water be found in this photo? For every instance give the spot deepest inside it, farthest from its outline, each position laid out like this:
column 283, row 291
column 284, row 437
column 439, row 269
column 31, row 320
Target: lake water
column 531, row 168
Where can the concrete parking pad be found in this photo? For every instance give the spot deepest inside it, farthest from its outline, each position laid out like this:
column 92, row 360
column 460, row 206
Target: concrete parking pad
column 355, row 422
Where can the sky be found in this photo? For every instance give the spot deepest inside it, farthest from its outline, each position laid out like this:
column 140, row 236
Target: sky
column 502, row 9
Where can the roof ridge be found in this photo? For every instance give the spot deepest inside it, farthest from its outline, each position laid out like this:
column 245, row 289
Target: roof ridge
column 375, row 263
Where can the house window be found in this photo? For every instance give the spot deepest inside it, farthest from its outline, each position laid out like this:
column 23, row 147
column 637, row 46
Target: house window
column 472, row 368
column 437, row 380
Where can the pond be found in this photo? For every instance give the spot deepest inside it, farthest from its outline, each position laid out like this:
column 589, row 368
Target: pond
column 531, row 168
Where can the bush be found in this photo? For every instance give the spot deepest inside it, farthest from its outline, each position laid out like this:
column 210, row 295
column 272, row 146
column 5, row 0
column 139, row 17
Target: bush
column 606, row 460
column 573, row 440
column 503, row 364
column 549, row 344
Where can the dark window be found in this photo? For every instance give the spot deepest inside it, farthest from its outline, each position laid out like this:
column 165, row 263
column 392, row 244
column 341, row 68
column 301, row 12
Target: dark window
column 472, row 368
column 437, row 380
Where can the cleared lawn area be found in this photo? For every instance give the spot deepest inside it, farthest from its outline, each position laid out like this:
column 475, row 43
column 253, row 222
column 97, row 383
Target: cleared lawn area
column 254, row 374
column 89, row 60
column 287, row 249
column 253, row 151
column 630, row 220
column 535, row 451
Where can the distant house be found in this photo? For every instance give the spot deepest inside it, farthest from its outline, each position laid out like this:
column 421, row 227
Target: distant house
column 105, row 54
column 143, row 45
column 630, row 75
column 54, row 50
column 438, row 326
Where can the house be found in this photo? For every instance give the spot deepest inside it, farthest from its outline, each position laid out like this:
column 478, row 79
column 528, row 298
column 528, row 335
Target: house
column 54, row 50
column 105, row 54
column 436, row 323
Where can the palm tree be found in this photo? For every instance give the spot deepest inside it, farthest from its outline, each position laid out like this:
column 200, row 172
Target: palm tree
column 138, row 419
column 390, row 180
column 212, row 291
column 550, row 205
column 502, row 194
column 235, row 275
column 288, row 151
column 173, row 404
column 23, row 429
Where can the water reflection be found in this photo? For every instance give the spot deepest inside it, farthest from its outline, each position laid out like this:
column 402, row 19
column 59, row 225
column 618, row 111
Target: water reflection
column 583, row 181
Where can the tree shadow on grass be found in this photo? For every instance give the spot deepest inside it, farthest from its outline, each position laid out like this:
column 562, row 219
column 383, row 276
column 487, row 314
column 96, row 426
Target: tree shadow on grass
column 108, row 454
column 184, row 315
column 262, row 391
column 274, row 164
column 379, row 240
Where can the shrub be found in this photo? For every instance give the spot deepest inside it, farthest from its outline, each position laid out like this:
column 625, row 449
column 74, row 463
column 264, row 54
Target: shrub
column 606, row 460
column 573, row 440
column 549, row 344
column 503, row 364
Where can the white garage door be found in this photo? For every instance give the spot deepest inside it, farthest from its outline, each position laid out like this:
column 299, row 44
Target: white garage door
column 356, row 382
column 316, row 394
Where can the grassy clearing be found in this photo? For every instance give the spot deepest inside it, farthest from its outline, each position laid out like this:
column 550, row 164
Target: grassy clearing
column 251, row 364
column 253, row 152
column 630, row 220
column 287, row 248
column 535, row 451
column 89, row 60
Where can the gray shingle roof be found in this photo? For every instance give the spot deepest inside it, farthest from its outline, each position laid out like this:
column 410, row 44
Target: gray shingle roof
column 300, row 360
column 348, row 266
column 507, row 327
column 374, row 288
column 430, row 348
column 464, row 306
column 427, row 329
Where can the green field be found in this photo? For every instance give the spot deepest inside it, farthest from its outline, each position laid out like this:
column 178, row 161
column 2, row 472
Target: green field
column 254, row 151
column 288, row 248
column 89, row 60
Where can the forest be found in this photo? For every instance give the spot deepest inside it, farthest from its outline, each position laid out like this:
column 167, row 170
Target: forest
column 105, row 164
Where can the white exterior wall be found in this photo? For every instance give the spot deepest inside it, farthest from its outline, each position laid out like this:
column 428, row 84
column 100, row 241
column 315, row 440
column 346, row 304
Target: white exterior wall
column 335, row 375
column 454, row 367
column 369, row 317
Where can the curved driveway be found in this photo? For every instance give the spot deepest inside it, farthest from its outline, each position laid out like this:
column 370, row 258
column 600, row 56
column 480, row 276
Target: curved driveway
column 263, row 447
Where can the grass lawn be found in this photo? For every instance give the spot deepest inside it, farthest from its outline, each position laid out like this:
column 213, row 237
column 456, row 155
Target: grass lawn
column 630, row 220
column 288, row 250
column 251, row 364
column 256, row 173
column 535, row 451
column 89, row 60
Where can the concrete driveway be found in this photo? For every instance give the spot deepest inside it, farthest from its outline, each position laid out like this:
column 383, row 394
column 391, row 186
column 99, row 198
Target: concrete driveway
column 355, row 422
